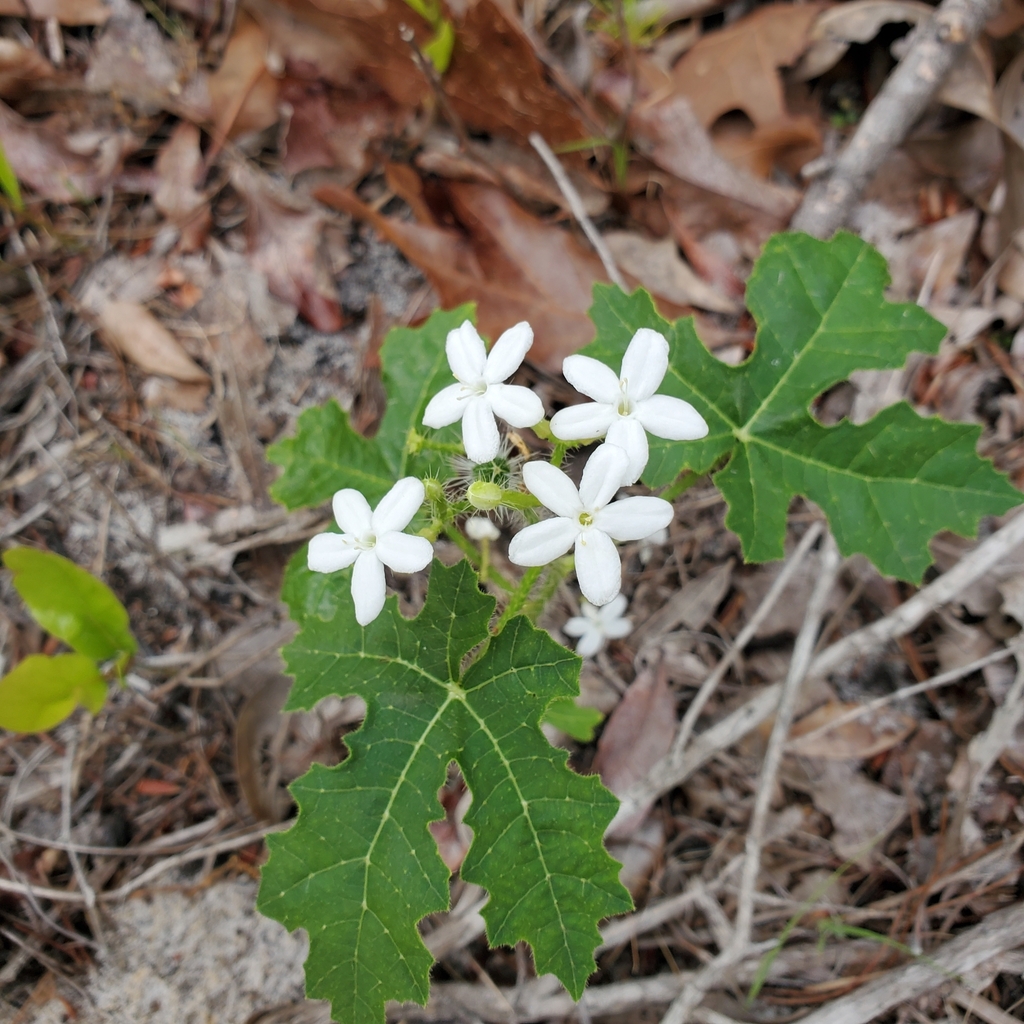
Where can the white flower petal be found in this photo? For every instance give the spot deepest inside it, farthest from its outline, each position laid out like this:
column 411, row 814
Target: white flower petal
column 603, row 475
column 479, row 431
column 543, row 542
column 508, row 353
column 598, row 569
column 467, row 355
column 576, row 422
column 516, row 405
column 590, row 643
column 629, row 433
column 368, row 587
column 552, row 488
column 446, row 406
column 613, row 610
column 618, row 629
column 351, row 512
column 398, row 506
column 403, row 553
column 577, row 626
column 671, row 418
column 644, row 364
column 633, row 518
column 329, row 552
column 481, row 528
column 592, row 378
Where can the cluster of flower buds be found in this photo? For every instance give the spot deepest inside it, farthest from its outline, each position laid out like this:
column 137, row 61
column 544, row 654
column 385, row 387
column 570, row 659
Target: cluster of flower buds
column 623, row 409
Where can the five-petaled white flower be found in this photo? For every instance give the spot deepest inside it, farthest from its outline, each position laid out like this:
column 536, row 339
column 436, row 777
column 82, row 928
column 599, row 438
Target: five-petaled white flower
column 372, row 539
column 596, row 626
column 626, row 407
column 588, row 519
column 480, row 394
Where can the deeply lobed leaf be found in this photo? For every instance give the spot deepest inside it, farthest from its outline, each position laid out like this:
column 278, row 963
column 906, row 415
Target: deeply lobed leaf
column 326, row 454
column 359, row 869
column 887, row 486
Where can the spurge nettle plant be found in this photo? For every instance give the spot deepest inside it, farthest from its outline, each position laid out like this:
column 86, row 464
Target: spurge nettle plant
column 470, row 677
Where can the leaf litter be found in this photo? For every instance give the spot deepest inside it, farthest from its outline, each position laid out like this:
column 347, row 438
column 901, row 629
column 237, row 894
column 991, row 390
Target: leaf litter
column 224, row 216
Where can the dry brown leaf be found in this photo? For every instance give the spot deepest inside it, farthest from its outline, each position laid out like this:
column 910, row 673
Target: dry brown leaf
column 657, row 265
column 512, row 264
column 67, row 12
column 666, row 130
column 20, row 66
column 179, row 167
column 241, row 95
column 637, row 734
column 1009, row 18
column 60, row 167
column 736, row 68
column 867, row 735
column 1010, row 103
column 331, row 128
column 130, row 329
column 283, row 233
column 787, row 144
column 933, row 256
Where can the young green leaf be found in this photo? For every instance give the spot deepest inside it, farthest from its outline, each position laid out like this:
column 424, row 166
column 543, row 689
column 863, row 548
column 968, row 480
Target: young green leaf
column 40, row 692
column 326, row 454
column 572, row 719
column 71, row 603
column 359, row 869
column 888, row 485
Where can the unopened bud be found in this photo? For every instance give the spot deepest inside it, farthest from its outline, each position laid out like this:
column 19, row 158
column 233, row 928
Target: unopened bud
column 481, row 528
column 433, row 489
column 483, row 495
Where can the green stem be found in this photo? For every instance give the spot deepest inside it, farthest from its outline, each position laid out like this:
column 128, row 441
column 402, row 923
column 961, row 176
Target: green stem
column 556, row 573
column 471, row 552
column 682, row 483
column 558, row 454
column 519, row 596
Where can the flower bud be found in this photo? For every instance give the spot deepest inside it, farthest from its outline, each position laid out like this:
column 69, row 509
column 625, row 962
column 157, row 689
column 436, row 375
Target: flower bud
column 481, row 528
column 483, row 495
column 433, row 489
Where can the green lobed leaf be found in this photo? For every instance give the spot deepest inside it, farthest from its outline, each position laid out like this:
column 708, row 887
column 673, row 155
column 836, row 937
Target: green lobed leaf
column 326, row 454
column 359, row 869
column 71, row 603
column 40, row 692
column 887, row 486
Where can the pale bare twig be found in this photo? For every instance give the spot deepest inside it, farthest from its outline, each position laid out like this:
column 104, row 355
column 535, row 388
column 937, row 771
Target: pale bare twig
column 936, row 47
column 710, row 976
column 572, row 197
column 1000, row 931
column 667, row 773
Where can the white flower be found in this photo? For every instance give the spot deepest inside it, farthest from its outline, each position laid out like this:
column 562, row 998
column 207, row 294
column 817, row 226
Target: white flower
column 480, row 396
column 585, row 518
column 626, row 407
column 481, row 528
column 596, row 626
column 372, row 539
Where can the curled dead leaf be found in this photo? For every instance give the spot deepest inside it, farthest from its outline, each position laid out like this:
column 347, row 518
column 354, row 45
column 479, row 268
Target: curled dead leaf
column 179, row 167
column 131, row 330
column 869, row 734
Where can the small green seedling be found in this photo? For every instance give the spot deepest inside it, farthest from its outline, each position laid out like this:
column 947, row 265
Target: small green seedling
column 73, row 606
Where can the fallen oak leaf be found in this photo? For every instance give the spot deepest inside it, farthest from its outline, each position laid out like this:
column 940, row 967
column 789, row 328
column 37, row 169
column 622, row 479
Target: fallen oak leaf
column 476, row 269
column 861, row 738
column 736, row 68
column 283, row 233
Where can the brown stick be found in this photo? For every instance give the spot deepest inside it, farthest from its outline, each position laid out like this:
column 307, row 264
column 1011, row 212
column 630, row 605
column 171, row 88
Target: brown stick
column 936, row 47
